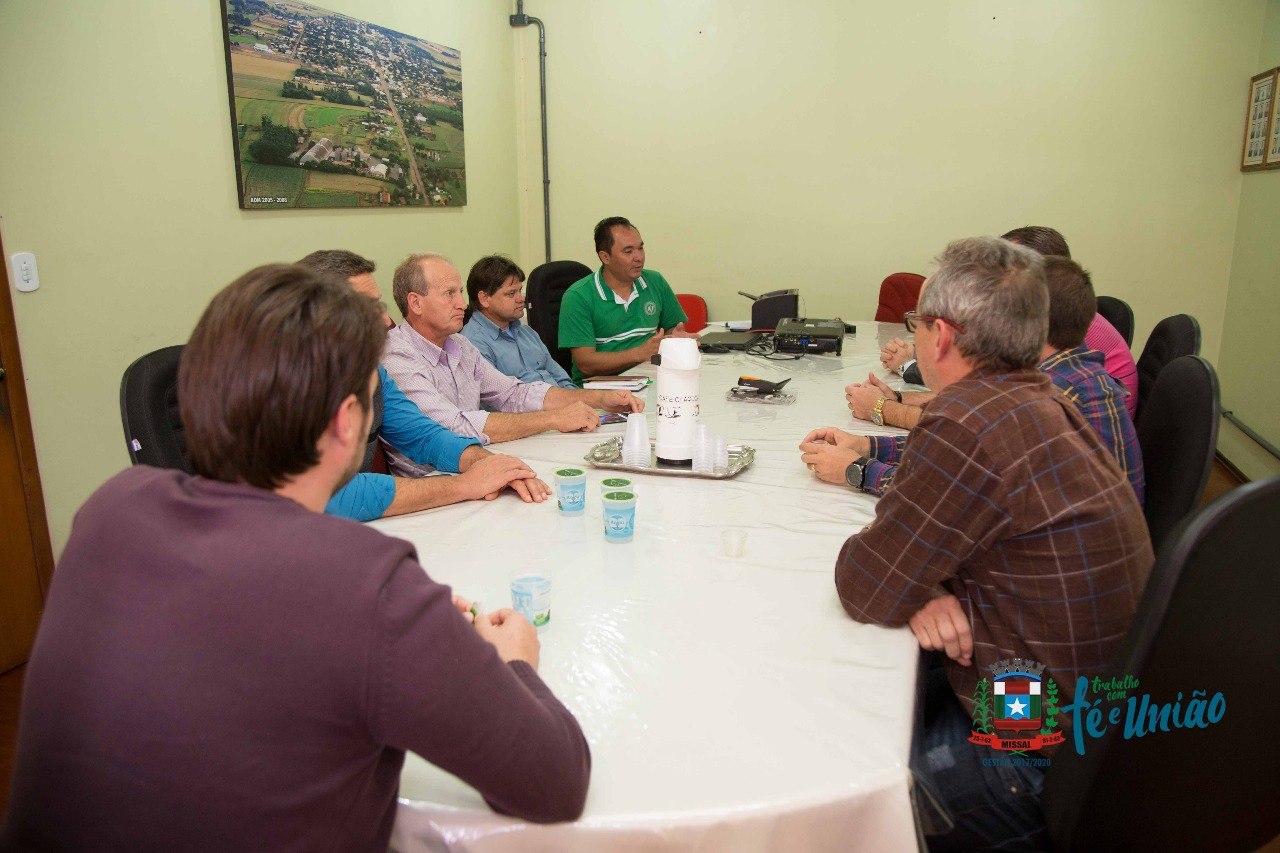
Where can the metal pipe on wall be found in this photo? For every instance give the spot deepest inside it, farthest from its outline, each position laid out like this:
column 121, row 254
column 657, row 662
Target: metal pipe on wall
column 520, row 19
column 1252, row 433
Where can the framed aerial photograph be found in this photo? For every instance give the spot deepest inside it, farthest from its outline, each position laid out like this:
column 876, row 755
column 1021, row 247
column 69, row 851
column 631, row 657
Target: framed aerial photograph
column 330, row 111
column 1259, row 119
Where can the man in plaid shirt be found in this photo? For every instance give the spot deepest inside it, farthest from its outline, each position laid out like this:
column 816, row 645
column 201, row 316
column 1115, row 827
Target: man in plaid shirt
column 1010, row 531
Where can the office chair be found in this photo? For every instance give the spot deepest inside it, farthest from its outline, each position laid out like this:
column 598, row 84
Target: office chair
column 899, row 294
column 1178, row 431
column 695, row 309
column 1206, row 622
column 153, row 432
column 543, row 292
column 1118, row 313
column 1173, row 337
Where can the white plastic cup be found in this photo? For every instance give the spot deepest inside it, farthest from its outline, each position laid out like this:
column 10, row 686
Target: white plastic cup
column 734, row 542
column 571, row 490
column 531, row 597
column 635, row 442
column 702, row 462
column 721, row 459
column 619, row 516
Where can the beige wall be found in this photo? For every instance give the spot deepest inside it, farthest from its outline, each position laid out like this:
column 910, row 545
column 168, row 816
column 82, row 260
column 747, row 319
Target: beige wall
column 823, row 145
column 117, row 172
column 811, row 144
column 1251, row 343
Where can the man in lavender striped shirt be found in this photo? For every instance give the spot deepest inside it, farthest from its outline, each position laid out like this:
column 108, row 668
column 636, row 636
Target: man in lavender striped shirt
column 456, row 386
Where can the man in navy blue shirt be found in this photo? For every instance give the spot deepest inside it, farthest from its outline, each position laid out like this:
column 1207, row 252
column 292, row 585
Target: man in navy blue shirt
column 403, row 426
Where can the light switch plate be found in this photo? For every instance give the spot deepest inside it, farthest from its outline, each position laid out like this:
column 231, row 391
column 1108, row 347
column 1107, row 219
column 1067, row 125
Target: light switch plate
column 26, row 277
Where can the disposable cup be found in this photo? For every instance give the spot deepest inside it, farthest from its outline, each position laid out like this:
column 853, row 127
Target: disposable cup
column 734, row 542
column 571, row 490
column 635, row 442
column 531, row 597
column 617, row 484
column 619, row 516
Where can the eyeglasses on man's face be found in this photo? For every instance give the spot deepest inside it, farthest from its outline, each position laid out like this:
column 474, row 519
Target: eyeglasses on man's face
column 913, row 319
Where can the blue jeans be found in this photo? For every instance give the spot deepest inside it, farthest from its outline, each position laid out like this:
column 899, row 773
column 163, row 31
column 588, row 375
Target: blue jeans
column 963, row 803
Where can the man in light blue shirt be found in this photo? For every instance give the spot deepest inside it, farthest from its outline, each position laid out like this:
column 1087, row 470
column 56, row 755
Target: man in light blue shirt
column 398, row 423
column 496, row 304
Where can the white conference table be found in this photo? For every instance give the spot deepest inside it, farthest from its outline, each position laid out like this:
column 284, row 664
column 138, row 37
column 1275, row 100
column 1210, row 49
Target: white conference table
column 730, row 703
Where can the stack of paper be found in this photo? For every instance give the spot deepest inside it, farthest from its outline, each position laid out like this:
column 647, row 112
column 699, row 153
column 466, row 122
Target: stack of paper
column 615, row 383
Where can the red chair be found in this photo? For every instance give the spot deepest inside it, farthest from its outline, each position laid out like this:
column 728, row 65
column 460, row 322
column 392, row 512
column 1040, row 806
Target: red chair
column 695, row 308
column 899, row 294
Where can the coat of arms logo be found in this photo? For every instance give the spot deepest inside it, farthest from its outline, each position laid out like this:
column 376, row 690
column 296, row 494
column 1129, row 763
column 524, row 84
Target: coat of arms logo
column 1017, row 708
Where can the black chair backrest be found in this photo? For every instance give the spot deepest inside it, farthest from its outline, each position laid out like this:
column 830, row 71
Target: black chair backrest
column 547, row 284
column 153, row 430
column 1118, row 313
column 1173, row 337
column 1207, row 621
column 375, row 427
column 1178, row 432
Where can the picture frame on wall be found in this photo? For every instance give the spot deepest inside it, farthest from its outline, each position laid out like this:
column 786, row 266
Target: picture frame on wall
column 1272, row 159
column 1259, row 123
column 331, row 111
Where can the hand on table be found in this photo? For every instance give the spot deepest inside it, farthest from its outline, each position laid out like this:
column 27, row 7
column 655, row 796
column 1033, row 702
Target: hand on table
column 622, row 402
column 942, row 625
column 575, row 417
column 896, row 353
column 511, row 634
column 530, row 489
column 881, row 386
column 863, row 396
column 489, row 475
column 828, row 451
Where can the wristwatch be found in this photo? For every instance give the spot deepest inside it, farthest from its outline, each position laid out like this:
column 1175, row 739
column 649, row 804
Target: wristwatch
column 877, row 412
column 856, row 472
column 905, row 366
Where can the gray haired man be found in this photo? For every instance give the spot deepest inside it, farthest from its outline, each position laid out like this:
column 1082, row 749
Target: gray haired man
column 1009, row 532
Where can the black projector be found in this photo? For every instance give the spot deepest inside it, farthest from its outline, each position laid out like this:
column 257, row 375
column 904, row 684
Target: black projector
column 801, row 335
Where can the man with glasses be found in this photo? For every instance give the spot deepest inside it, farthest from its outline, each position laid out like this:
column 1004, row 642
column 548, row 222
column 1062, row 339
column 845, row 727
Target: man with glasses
column 453, row 384
column 1077, row 371
column 1008, row 522
column 899, row 356
column 399, row 425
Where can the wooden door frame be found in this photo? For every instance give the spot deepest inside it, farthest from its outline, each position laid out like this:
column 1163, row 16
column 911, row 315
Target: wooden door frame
column 15, row 387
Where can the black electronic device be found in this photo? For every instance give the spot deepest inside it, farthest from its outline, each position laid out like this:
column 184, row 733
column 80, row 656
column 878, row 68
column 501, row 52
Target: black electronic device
column 769, row 309
column 802, row 335
column 715, row 341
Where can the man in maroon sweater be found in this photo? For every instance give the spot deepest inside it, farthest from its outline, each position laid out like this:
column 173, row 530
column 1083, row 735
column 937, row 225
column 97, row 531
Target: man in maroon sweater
column 221, row 666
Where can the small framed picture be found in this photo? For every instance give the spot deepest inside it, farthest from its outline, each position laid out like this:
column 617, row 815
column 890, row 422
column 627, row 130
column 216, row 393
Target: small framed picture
column 1273, row 137
column 1259, row 123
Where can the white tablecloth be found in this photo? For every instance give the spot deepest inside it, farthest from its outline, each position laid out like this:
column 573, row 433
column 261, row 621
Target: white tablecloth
column 730, row 703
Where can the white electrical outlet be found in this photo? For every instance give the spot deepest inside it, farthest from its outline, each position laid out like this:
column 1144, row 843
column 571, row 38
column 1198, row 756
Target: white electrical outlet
column 26, row 277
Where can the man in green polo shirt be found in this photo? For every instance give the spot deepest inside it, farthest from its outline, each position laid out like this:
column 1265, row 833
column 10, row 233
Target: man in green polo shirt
column 615, row 318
